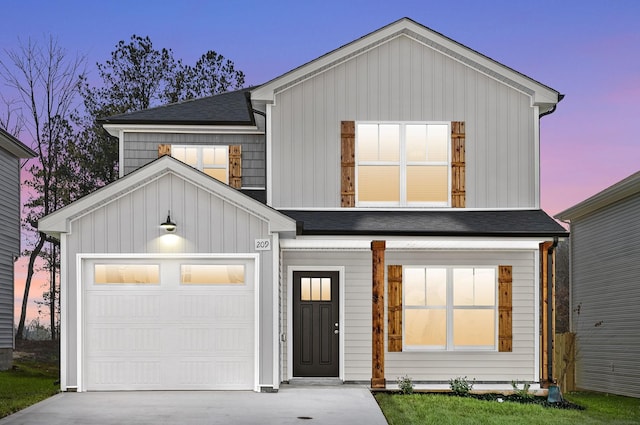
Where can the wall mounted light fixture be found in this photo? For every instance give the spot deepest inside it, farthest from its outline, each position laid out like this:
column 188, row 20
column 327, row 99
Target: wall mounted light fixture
column 169, row 225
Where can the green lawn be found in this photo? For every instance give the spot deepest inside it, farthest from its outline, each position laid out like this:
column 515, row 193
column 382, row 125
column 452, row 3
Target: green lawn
column 27, row 383
column 443, row 409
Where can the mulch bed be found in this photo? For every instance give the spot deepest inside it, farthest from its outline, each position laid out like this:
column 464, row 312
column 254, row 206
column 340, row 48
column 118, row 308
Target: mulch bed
column 542, row 401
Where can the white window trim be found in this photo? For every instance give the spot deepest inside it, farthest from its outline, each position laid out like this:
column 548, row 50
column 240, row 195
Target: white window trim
column 449, row 311
column 403, row 163
column 200, row 165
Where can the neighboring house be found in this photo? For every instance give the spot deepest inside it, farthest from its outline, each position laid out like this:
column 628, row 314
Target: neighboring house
column 11, row 151
column 370, row 214
column 605, row 288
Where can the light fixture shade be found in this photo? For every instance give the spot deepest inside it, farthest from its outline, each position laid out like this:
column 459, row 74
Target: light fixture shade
column 169, row 225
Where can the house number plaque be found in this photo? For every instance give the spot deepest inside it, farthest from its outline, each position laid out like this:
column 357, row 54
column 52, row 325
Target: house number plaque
column 263, row 245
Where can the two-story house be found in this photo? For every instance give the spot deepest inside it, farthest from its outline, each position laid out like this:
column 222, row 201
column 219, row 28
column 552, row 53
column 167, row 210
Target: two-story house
column 370, row 214
column 12, row 151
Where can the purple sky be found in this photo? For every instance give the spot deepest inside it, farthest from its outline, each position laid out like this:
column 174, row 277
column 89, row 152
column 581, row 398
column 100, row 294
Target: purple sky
column 586, row 49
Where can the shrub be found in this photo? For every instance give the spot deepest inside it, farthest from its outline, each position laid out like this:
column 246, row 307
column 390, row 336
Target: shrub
column 461, row 386
column 522, row 392
column 405, row 384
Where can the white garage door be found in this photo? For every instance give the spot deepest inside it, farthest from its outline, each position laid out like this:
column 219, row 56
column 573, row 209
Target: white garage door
column 168, row 324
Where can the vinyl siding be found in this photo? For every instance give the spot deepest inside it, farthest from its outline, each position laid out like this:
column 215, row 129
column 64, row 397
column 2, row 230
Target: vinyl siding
column 206, row 224
column 426, row 366
column 605, row 256
column 356, row 324
column 142, row 148
column 9, row 241
column 403, row 80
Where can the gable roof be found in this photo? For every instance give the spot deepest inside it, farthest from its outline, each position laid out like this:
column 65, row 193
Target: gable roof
column 60, row 221
column 623, row 189
column 542, row 95
column 231, row 108
column 15, row 146
column 507, row 223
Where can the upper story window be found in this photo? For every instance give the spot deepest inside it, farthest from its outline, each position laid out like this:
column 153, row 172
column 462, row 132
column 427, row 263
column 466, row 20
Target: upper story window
column 403, row 164
column 211, row 160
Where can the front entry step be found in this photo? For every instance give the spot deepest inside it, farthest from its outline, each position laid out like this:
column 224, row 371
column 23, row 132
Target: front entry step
column 309, row 382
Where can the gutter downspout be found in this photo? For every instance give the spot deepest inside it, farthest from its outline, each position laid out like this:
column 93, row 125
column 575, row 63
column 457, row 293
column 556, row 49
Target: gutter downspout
column 264, row 115
column 550, row 309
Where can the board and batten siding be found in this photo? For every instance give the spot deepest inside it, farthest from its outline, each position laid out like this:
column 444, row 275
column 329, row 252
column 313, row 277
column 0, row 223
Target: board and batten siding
column 403, row 80
column 9, row 246
column 425, row 366
column 206, row 224
column 605, row 257
column 142, row 148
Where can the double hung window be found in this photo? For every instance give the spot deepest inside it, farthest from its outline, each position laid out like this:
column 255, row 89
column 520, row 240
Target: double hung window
column 403, row 164
column 211, row 160
column 450, row 308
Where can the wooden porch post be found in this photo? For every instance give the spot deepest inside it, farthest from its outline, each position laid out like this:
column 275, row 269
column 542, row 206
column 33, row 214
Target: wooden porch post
column 377, row 311
column 547, row 330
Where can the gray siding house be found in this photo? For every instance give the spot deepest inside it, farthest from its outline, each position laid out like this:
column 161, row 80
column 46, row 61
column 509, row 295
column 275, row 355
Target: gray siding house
column 605, row 288
column 11, row 151
column 372, row 213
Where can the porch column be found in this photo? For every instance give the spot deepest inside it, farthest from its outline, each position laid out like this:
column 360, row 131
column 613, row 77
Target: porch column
column 377, row 315
column 547, row 313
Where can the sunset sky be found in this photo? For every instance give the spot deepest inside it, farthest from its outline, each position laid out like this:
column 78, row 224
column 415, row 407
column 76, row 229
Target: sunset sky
column 588, row 50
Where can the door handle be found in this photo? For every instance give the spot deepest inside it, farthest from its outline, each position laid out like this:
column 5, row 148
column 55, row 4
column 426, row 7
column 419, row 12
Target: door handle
column 336, row 332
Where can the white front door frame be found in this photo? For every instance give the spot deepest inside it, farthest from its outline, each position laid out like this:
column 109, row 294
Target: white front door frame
column 80, row 260
column 289, row 283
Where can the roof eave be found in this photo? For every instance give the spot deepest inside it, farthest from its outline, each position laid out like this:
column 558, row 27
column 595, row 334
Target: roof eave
column 623, row 189
column 516, row 234
column 115, row 128
column 14, row 146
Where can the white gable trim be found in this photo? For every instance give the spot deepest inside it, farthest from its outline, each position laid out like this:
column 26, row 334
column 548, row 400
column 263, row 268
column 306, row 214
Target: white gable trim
column 60, row 221
column 541, row 94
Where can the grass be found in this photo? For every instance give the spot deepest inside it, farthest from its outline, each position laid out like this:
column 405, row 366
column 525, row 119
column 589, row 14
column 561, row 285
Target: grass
column 29, row 382
column 444, row 409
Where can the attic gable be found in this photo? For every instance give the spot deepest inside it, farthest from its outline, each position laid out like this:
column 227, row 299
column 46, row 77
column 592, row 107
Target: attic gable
column 541, row 95
column 60, row 221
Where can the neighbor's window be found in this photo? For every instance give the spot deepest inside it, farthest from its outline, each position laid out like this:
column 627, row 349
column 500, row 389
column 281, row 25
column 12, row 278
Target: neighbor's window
column 138, row 274
column 450, row 307
column 212, row 160
column 400, row 164
column 212, row 274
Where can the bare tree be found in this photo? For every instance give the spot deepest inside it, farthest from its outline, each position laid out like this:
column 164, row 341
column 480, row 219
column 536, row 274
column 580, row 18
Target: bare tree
column 45, row 81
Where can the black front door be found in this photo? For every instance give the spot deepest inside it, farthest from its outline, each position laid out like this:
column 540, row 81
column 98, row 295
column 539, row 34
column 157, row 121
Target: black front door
column 315, row 324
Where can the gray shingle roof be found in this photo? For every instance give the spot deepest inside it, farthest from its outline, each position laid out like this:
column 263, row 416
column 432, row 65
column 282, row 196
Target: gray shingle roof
column 232, row 108
column 520, row 223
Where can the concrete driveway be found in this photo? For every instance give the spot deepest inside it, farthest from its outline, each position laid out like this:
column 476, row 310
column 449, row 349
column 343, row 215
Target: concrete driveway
column 334, row 405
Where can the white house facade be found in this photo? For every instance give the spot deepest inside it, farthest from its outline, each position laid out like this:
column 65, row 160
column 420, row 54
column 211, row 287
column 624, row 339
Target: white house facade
column 370, row 214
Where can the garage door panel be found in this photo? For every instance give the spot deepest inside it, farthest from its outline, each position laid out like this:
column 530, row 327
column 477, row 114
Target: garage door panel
column 169, row 336
column 107, row 307
column 220, row 306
